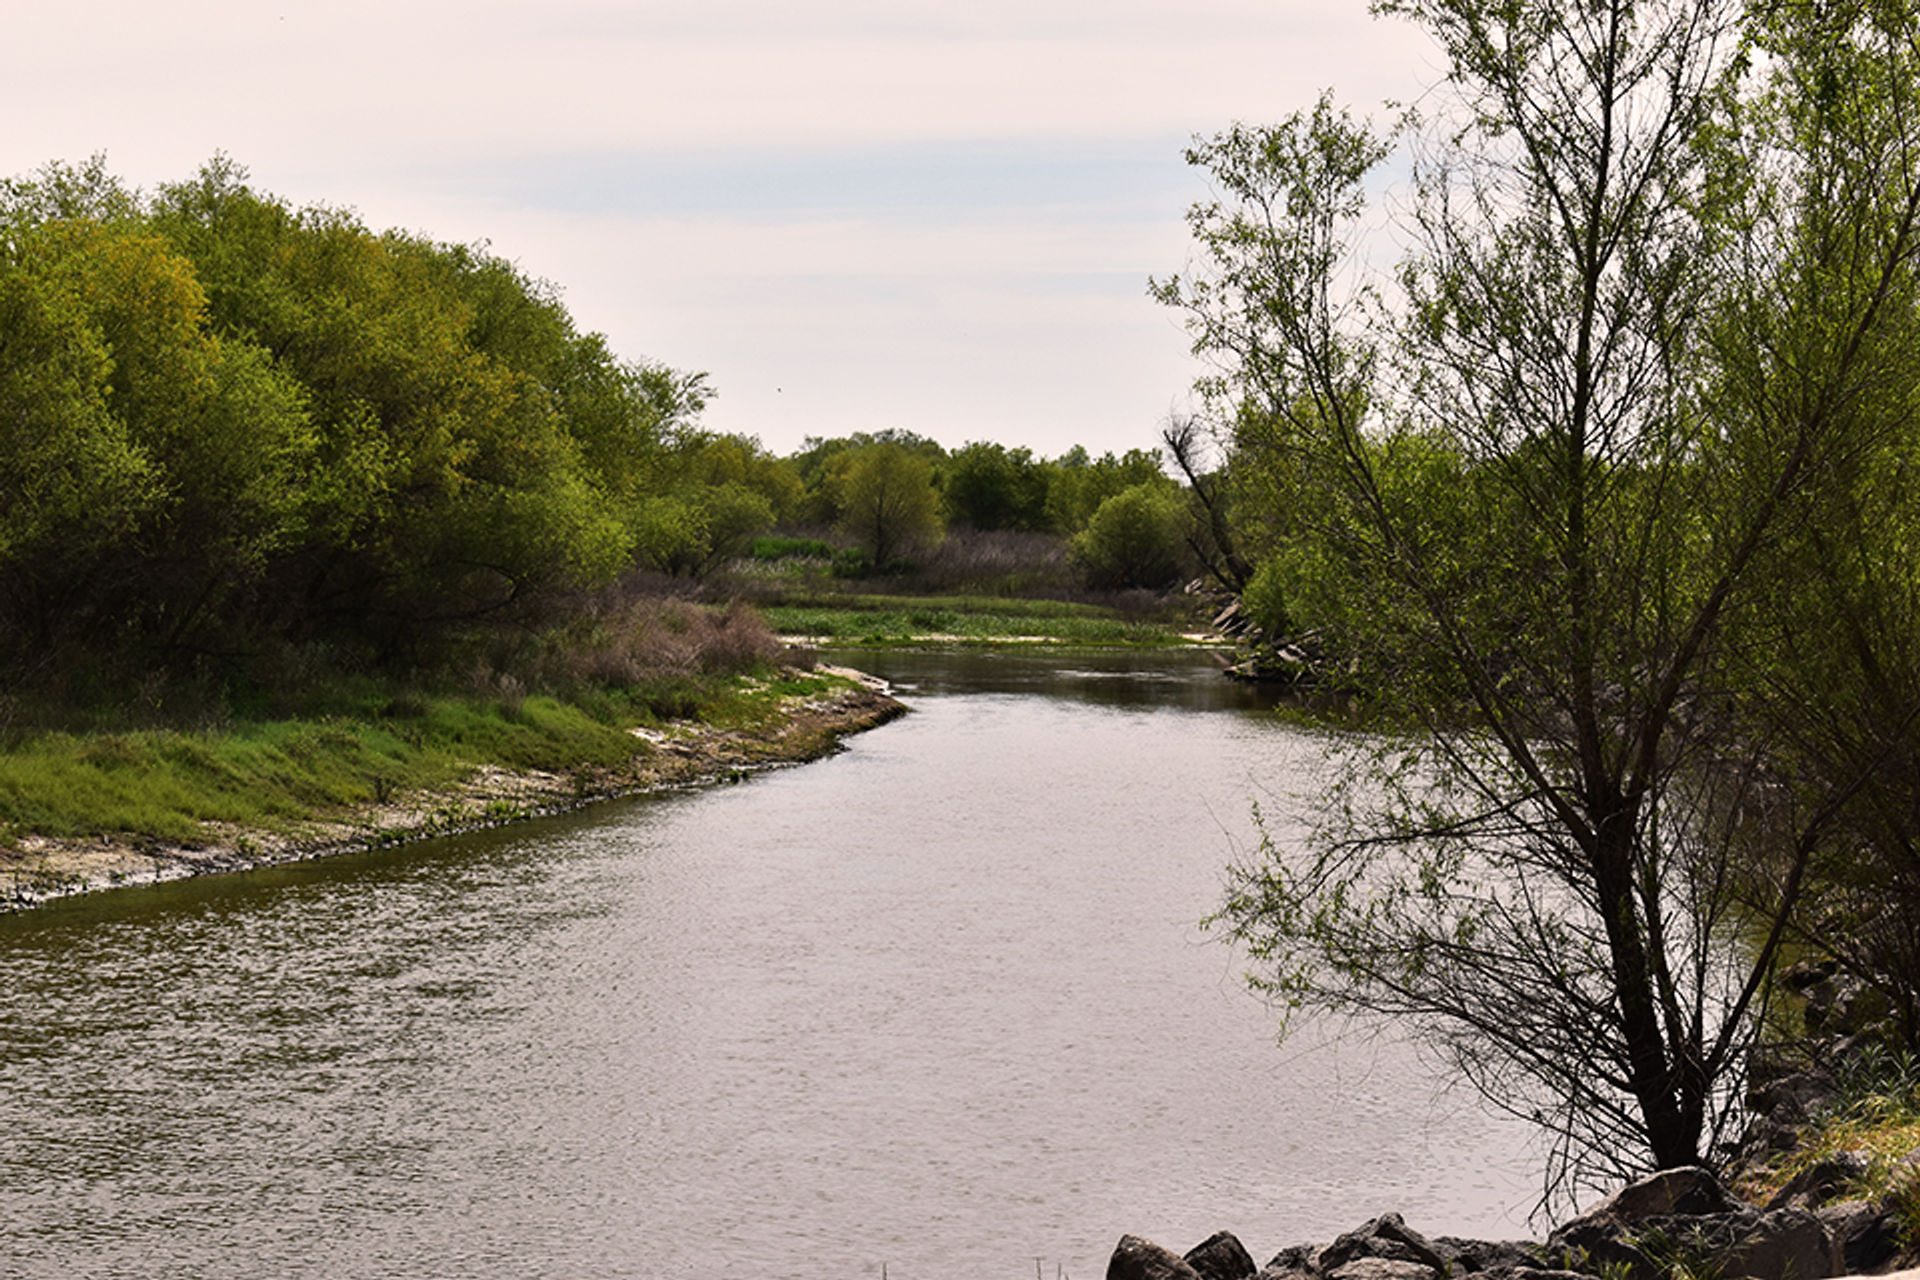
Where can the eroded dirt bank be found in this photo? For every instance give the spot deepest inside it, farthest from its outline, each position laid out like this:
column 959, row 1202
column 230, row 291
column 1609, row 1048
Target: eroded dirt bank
column 41, row 869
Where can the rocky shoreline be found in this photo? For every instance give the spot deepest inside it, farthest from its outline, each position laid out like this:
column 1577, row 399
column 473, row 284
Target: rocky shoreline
column 1681, row 1222
column 39, row 870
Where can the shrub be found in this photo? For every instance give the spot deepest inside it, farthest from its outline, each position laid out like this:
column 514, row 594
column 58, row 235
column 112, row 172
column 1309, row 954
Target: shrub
column 1135, row 539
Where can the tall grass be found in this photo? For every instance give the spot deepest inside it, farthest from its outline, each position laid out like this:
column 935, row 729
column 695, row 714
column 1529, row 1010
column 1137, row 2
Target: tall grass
column 1876, row 1112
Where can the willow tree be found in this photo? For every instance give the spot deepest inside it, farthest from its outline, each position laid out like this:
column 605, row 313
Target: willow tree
column 1547, row 479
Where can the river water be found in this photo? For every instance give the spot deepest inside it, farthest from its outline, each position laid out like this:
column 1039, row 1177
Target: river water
column 939, row 1005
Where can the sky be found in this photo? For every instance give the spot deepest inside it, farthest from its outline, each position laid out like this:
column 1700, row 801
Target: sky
column 853, row 215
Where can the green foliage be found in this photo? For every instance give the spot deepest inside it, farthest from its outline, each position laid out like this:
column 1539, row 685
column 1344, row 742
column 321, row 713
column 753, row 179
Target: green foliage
column 885, row 495
column 885, row 619
column 822, row 465
column 1655, row 324
column 233, row 425
column 1136, row 540
column 71, row 479
column 1265, row 600
column 693, row 528
column 988, row 486
column 1833, row 663
column 742, row 462
column 1876, row 1114
column 785, row 548
column 1080, row 484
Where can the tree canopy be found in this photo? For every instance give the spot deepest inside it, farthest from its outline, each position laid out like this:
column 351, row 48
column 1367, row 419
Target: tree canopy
column 1656, row 307
column 229, row 422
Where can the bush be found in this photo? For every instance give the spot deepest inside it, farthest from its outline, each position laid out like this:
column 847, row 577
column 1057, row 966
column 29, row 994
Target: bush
column 785, row 548
column 1264, row 601
column 852, row 562
column 1137, row 539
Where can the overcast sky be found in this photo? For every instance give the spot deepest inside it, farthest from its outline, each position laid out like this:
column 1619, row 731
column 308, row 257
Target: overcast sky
column 937, row 215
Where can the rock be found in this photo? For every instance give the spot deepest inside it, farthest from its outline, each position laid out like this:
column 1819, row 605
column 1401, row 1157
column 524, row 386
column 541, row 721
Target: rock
column 1221, row 1256
column 1592, row 1245
column 1294, row 1263
column 1604, row 1236
column 1770, row 1135
column 1789, row 1099
column 1387, row 1238
column 1690, row 1192
column 1865, row 1235
column 1806, row 973
column 1784, row 1244
column 1675, row 1210
column 1137, row 1259
column 1822, row 1181
column 1382, row 1269
column 1276, row 1271
column 1488, row 1256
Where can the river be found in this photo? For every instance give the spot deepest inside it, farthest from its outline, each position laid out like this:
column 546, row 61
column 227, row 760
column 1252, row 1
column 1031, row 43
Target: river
column 938, row 1005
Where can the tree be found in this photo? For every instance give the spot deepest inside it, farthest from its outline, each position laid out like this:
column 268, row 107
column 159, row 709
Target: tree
column 989, row 486
column 1079, row 484
column 470, row 449
column 1551, row 474
column 822, row 463
column 1833, row 662
column 743, row 461
column 1212, row 539
column 1136, row 539
column 73, row 485
column 887, row 501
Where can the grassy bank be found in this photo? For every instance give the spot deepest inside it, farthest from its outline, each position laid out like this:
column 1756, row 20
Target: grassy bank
column 631, row 691
column 94, row 811
column 874, row 619
column 170, row 784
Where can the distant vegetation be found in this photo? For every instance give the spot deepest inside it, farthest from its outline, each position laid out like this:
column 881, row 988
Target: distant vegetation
column 246, row 448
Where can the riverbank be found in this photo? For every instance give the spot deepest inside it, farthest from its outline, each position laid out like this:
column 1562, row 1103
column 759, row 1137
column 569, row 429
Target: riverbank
column 1678, row 1224
column 36, row 868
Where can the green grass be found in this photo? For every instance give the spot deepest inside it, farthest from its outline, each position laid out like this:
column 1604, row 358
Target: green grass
column 164, row 784
column 1876, row 1114
column 895, row 620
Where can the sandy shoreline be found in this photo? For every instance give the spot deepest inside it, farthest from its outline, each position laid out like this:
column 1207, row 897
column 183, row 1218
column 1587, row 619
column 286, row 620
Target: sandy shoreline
column 41, row 869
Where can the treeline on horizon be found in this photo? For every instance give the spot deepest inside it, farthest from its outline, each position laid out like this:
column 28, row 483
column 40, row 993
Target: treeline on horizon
column 233, row 430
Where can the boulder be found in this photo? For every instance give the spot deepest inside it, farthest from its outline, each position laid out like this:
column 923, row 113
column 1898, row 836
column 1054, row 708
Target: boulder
column 1594, row 1245
column 1608, row 1235
column 1293, row 1263
column 1788, row 1099
column 1689, row 1192
column 1865, row 1235
column 1388, row 1239
column 1783, row 1244
column 1137, row 1259
column 1382, row 1269
column 1221, row 1256
column 1687, row 1216
column 1489, row 1256
column 1822, row 1181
